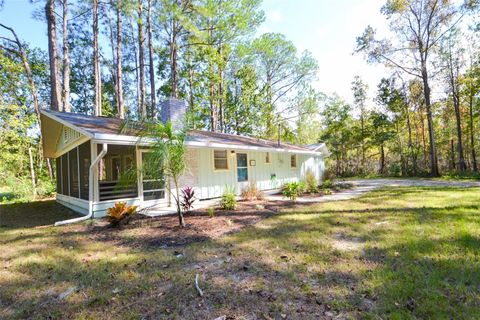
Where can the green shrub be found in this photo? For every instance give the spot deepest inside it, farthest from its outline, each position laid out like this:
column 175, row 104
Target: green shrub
column 251, row 192
column 292, row 190
column 229, row 199
column 311, row 183
column 327, row 191
column 327, row 184
column 211, row 212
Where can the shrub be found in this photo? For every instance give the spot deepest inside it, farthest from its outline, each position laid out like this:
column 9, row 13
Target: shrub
column 120, row 214
column 251, row 192
column 229, row 200
column 311, row 183
column 211, row 212
column 188, row 198
column 327, row 184
column 292, row 190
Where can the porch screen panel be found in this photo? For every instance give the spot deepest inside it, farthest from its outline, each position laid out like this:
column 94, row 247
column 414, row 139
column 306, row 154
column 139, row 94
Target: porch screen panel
column 58, row 165
column 117, row 176
column 84, row 161
column 65, row 189
column 73, row 172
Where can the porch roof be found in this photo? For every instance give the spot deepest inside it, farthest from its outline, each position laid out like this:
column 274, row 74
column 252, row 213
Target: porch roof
column 115, row 131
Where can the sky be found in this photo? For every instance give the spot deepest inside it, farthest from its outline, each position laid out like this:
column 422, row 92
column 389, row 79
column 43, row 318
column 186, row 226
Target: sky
column 327, row 28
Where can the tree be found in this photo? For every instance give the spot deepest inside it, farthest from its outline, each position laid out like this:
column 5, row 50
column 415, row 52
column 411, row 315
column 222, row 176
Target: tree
column 167, row 153
column 360, row 89
column 418, row 26
column 96, row 61
column 451, row 56
column 55, row 102
column 142, row 107
column 280, row 71
column 66, row 60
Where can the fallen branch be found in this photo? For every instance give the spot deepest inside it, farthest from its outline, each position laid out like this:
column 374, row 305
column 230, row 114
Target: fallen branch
column 200, row 292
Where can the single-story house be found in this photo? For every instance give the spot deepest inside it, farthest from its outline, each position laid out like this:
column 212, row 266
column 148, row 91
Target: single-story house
column 82, row 144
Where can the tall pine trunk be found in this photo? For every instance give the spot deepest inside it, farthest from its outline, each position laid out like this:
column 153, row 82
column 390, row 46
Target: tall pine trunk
column 150, row 61
column 472, row 134
column 120, row 107
column 142, row 108
column 96, row 62
column 431, row 130
column 174, row 60
column 55, row 92
column 66, row 60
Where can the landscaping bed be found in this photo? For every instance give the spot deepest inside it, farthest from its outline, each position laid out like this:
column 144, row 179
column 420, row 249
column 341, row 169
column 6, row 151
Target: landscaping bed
column 164, row 231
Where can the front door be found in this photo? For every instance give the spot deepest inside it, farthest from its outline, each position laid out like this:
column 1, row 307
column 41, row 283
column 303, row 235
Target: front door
column 242, row 171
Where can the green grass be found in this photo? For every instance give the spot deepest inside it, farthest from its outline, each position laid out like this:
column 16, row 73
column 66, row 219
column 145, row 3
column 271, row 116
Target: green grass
column 395, row 253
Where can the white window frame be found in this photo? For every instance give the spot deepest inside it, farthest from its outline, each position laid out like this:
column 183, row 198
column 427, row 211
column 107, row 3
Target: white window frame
column 226, row 157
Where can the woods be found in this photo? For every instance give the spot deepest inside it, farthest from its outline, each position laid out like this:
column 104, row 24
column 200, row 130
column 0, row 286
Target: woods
column 121, row 58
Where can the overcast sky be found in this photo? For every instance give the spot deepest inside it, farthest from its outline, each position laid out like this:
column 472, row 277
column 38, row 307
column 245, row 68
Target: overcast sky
column 327, row 28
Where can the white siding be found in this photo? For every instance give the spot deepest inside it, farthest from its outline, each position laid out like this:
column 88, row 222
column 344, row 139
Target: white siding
column 210, row 183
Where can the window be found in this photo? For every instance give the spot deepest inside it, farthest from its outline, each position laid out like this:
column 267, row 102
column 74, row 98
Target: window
column 267, row 158
column 293, row 161
column 220, row 159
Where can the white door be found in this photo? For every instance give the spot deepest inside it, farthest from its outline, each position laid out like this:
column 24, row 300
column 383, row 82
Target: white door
column 242, row 171
column 152, row 182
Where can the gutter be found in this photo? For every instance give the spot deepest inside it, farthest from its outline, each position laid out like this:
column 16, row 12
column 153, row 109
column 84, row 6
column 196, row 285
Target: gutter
column 90, row 190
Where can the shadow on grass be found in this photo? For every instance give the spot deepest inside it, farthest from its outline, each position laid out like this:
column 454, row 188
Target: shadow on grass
column 33, row 214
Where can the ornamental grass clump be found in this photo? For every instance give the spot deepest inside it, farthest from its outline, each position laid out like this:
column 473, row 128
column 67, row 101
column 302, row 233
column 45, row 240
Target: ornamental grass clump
column 251, row 192
column 229, row 199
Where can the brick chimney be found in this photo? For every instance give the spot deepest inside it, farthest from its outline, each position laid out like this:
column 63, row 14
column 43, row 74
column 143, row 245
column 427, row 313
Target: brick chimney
column 175, row 111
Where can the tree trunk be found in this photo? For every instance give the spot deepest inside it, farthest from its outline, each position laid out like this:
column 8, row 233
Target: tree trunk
column 135, row 54
column 151, row 62
column 452, row 155
column 181, row 219
column 472, row 138
column 382, row 159
column 173, row 61
column 96, row 62
column 114, row 57
column 456, row 105
column 431, row 130
column 32, row 172
column 66, row 60
column 142, row 108
column 55, row 92
column 120, row 107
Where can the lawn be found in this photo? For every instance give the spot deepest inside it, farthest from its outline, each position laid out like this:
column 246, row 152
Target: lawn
column 394, row 253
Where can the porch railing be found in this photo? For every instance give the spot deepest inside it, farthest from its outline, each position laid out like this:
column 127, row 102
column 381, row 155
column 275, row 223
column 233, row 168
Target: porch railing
column 112, row 190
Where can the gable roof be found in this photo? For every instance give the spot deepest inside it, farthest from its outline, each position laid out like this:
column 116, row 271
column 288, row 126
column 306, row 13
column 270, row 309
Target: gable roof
column 114, row 131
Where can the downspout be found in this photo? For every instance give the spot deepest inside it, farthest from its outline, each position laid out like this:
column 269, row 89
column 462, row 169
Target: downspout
column 90, row 190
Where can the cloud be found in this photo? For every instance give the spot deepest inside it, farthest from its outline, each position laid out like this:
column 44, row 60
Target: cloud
column 274, row 16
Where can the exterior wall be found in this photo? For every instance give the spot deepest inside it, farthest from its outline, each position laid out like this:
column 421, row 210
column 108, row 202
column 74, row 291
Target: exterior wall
column 210, row 183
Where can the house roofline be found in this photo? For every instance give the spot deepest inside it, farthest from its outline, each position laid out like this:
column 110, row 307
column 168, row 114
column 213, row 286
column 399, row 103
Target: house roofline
column 131, row 140
column 65, row 123
column 120, row 139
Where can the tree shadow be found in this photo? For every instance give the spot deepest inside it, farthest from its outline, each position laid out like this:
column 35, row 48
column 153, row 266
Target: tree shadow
column 33, row 214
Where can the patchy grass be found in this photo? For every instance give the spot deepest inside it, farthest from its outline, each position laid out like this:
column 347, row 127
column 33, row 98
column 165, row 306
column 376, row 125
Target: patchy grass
column 394, row 253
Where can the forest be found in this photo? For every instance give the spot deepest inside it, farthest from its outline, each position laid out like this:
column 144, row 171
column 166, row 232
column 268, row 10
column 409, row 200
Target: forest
column 121, row 58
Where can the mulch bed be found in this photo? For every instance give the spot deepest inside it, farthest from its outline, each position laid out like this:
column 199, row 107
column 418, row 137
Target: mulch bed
column 164, row 231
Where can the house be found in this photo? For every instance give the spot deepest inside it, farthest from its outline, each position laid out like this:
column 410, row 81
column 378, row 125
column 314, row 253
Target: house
column 82, row 144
